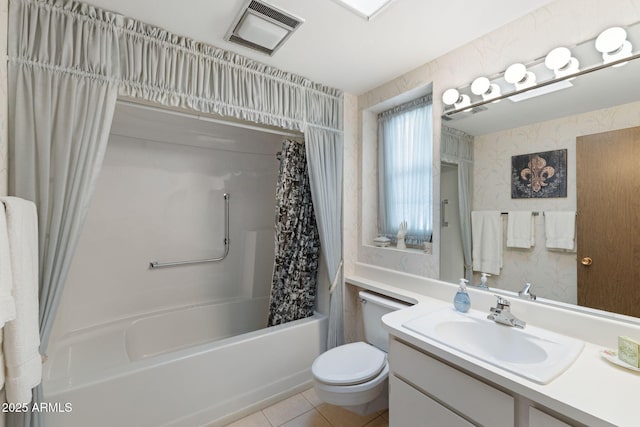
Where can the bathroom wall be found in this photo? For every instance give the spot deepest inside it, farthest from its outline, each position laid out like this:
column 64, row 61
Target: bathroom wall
column 159, row 197
column 553, row 273
column 349, row 181
column 4, row 11
column 562, row 22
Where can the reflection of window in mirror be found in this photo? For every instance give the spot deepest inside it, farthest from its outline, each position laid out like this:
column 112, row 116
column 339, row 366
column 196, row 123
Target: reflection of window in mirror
column 405, row 163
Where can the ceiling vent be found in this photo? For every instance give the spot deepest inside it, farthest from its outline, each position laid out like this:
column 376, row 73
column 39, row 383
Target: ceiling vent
column 262, row 27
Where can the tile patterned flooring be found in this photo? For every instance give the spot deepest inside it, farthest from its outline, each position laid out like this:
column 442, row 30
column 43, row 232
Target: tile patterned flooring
column 307, row 410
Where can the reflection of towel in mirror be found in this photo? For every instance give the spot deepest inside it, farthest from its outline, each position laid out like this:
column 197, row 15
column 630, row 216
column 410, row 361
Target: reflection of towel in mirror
column 22, row 361
column 560, row 229
column 520, row 229
column 486, row 230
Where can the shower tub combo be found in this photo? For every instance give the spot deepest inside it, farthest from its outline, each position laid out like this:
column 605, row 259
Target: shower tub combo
column 176, row 368
column 140, row 345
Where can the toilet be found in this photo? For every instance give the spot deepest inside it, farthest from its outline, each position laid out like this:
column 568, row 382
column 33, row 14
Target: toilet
column 355, row 376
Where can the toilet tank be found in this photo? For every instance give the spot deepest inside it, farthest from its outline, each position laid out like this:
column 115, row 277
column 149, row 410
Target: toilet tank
column 373, row 308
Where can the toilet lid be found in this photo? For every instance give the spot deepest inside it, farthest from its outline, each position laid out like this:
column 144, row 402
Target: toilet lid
column 349, row 364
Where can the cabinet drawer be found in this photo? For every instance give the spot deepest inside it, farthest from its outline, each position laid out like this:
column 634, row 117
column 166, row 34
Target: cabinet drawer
column 537, row 418
column 464, row 394
column 408, row 407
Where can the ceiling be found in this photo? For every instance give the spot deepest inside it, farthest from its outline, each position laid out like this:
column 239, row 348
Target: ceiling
column 334, row 46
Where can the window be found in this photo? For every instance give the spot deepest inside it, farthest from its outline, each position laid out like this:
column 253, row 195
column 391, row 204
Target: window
column 405, row 171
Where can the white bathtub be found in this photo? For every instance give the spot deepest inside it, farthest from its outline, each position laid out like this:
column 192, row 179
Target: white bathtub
column 181, row 367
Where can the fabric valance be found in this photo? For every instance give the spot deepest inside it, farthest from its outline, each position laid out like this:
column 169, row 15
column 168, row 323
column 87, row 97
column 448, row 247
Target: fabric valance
column 156, row 65
column 455, row 145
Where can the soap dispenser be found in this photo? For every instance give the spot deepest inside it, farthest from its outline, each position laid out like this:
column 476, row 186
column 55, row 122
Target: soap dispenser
column 483, row 281
column 461, row 301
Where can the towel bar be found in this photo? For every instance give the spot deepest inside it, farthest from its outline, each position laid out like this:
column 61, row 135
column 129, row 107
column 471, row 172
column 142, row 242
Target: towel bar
column 532, row 213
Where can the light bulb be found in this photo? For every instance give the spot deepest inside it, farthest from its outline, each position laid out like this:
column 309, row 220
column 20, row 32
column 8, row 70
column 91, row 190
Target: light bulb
column 482, row 86
column 613, row 45
column 561, row 62
column 518, row 76
column 453, row 97
column 450, row 96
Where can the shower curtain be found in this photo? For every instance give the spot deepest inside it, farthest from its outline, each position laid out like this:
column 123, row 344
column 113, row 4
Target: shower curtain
column 293, row 288
column 457, row 147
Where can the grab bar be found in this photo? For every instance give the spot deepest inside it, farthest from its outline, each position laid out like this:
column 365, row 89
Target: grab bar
column 443, row 205
column 227, row 242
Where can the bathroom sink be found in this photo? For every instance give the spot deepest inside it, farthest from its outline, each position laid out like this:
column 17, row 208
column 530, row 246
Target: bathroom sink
column 533, row 353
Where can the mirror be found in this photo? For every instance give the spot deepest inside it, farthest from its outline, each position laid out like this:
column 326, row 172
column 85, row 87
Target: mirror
column 600, row 98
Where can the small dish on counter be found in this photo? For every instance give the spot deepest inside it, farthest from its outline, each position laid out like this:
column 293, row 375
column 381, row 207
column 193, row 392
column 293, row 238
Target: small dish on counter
column 612, row 356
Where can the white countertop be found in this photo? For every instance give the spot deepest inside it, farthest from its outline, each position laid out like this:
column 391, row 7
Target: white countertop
column 592, row 390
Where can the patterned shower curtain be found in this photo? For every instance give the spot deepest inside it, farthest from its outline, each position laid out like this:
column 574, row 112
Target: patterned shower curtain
column 293, row 289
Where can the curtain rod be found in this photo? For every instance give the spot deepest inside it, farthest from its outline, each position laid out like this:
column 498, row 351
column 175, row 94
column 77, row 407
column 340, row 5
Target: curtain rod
column 534, row 213
column 255, row 127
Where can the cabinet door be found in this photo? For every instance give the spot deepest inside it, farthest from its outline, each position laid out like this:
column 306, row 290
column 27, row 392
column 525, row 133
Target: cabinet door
column 538, row 418
column 466, row 395
column 408, row 407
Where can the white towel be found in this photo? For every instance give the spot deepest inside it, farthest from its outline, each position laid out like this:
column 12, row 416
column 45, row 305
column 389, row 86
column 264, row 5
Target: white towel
column 486, row 230
column 23, row 364
column 7, row 303
column 520, row 229
column 560, row 229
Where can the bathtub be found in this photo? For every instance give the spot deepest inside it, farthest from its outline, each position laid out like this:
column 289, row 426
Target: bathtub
column 180, row 367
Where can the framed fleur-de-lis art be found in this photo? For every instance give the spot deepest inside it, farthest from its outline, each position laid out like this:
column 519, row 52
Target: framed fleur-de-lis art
column 539, row 175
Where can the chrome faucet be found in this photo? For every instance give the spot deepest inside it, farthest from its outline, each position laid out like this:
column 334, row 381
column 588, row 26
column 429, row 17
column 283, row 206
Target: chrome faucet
column 526, row 292
column 501, row 313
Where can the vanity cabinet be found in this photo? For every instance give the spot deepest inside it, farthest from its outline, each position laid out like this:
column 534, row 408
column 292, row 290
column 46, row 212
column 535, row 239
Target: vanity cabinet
column 470, row 399
column 425, row 392
column 538, row 418
column 408, row 407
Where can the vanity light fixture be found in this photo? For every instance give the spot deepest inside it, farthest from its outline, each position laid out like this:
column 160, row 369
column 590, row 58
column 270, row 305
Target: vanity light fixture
column 613, row 45
column 453, row 97
column 482, row 86
column 518, row 76
column 561, row 62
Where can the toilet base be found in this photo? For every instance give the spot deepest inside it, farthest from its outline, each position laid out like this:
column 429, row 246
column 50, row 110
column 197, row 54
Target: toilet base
column 373, row 400
column 378, row 404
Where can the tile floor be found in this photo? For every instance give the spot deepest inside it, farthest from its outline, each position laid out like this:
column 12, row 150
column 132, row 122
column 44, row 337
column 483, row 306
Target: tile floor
column 306, row 410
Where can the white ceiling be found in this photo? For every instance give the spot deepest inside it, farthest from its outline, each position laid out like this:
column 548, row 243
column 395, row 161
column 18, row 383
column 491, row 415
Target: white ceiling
column 335, row 46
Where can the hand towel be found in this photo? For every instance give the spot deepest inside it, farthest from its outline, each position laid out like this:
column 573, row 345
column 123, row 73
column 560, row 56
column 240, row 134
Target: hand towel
column 7, row 303
column 520, row 229
column 560, row 229
column 486, row 231
column 23, row 364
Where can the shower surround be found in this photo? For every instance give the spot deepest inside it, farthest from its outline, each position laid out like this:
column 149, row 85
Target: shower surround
column 160, row 197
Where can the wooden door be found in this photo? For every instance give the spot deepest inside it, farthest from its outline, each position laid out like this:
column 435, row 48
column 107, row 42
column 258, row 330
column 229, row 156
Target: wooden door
column 608, row 221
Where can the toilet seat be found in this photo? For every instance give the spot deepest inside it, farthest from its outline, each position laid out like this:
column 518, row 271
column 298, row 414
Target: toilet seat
column 349, row 364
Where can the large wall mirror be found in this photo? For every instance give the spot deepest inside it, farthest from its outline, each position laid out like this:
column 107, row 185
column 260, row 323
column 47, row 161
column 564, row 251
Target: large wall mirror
column 598, row 99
